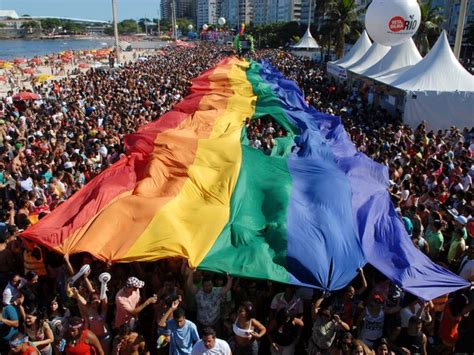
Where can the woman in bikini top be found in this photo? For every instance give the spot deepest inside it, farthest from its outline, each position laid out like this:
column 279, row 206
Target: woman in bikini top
column 246, row 328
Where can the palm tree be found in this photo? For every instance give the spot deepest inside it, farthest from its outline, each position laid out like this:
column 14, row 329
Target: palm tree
column 430, row 25
column 343, row 15
column 321, row 10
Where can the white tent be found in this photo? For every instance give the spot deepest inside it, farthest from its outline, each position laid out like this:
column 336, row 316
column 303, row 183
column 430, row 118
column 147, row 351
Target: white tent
column 306, row 47
column 375, row 53
column 398, row 57
column 357, row 51
column 438, row 89
column 307, row 41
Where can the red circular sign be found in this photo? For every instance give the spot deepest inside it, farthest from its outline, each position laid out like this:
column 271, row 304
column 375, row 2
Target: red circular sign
column 396, row 24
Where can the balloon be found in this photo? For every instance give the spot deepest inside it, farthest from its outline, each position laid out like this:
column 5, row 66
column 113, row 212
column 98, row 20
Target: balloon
column 392, row 22
column 190, row 27
column 221, row 21
column 205, row 27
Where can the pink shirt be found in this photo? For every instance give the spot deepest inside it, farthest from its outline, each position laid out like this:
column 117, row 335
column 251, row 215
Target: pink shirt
column 125, row 303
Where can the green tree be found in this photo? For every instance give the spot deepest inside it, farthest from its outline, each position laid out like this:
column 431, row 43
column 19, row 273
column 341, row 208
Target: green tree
column 124, row 27
column 183, row 24
column 430, row 25
column 50, row 24
column 73, row 27
column 30, row 26
column 141, row 24
column 275, row 35
column 127, row 26
column 343, row 16
column 321, row 11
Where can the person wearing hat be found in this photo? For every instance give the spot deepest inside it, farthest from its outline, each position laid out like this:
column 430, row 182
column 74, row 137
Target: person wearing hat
column 127, row 302
column 459, row 222
column 20, row 344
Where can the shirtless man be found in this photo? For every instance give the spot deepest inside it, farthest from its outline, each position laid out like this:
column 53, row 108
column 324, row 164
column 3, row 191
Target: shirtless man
column 129, row 343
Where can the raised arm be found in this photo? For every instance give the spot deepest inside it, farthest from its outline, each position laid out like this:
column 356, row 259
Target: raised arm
column 137, row 310
column 362, row 289
column 165, row 317
column 227, row 287
column 315, row 307
column 189, row 282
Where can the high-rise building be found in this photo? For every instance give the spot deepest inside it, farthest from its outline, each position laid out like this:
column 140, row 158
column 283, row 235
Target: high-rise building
column 184, row 9
column 289, row 10
column 270, row 11
column 236, row 11
column 360, row 5
column 260, row 11
column 245, row 12
column 230, row 11
column 452, row 17
column 207, row 12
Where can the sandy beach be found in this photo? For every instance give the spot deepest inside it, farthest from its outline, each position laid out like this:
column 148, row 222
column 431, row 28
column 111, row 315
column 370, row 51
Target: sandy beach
column 81, row 63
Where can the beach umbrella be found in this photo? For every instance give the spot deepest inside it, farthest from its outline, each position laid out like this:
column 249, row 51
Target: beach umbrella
column 25, row 95
column 83, row 65
column 37, row 61
column 19, row 60
column 6, row 65
column 42, row 78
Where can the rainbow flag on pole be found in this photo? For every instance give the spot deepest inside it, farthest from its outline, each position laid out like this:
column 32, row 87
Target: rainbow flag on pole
column 311, row 213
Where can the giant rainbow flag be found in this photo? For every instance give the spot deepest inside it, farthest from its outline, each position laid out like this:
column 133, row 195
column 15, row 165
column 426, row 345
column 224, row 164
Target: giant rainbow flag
column 311, row 213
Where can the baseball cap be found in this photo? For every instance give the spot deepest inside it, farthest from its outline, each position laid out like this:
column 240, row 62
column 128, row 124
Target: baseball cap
column 461, row 219
column 133, row 282
column 68, row 165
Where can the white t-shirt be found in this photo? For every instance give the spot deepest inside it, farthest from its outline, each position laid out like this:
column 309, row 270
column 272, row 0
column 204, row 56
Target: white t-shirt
column 466, row 269
column 221, row 348
column 295, row 306
column 11, row 292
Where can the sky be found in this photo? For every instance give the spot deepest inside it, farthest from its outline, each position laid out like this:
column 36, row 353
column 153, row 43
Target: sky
column 87, row 9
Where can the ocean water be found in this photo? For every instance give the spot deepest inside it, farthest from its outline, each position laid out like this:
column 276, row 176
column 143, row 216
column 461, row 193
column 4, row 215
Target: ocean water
column 10, row 49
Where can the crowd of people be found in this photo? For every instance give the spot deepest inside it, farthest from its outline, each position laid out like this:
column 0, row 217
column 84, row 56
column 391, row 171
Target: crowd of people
column 51, row 147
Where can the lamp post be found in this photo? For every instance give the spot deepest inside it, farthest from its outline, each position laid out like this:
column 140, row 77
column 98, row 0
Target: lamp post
column 460, row 28
column 116, row 34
